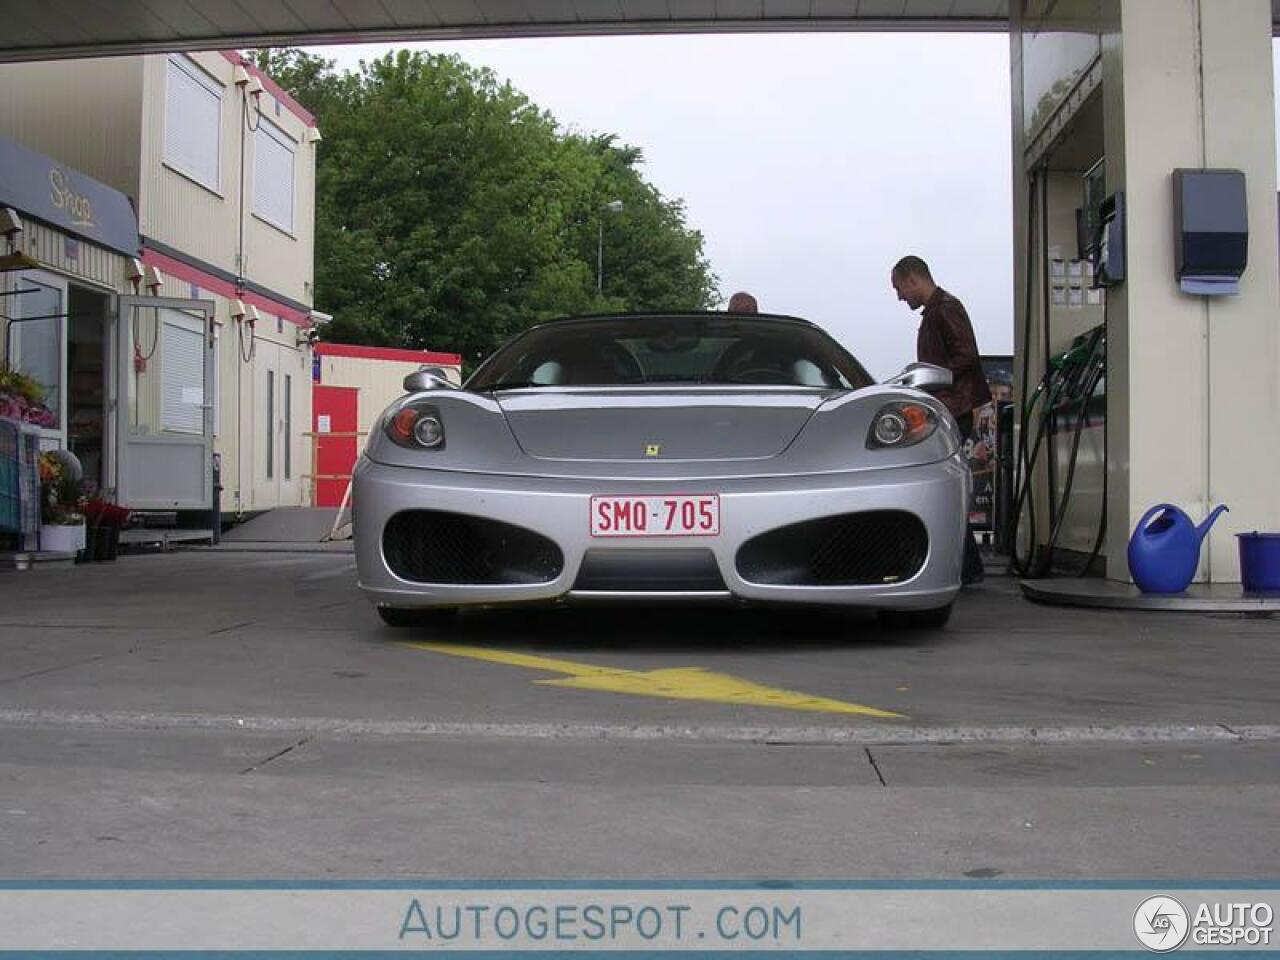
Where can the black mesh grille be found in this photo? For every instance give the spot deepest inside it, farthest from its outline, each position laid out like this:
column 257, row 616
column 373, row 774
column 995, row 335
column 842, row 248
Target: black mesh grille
column 427, row 546
column 878, row 546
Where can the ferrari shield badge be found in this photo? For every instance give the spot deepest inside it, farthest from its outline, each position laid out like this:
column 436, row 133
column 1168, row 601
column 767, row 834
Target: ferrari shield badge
column 653, row 449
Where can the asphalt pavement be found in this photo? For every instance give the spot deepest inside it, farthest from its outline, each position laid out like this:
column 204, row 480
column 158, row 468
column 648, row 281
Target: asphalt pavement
column 244, row 714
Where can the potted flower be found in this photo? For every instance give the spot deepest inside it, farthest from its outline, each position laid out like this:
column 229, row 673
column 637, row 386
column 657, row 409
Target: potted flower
column 61, row 519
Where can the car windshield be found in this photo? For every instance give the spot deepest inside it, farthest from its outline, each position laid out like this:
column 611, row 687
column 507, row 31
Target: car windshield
column 713, row 349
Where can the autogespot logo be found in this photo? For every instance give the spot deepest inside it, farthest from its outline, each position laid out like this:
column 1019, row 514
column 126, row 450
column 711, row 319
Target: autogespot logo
column 1161, row 924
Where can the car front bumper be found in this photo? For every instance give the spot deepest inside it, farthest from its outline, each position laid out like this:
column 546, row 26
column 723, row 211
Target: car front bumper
column 558, row 508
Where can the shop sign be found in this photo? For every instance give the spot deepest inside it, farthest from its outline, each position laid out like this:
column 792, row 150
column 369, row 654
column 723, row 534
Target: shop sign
column 40, row 187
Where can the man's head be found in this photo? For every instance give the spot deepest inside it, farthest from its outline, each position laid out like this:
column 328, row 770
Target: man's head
column 912, row 281
column 742, row 302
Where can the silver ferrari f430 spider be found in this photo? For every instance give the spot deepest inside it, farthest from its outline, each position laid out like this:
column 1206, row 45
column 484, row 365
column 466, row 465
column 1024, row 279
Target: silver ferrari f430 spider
column 690, row 456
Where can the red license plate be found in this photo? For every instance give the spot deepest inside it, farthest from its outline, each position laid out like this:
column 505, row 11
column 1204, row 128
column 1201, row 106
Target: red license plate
column 662, row 516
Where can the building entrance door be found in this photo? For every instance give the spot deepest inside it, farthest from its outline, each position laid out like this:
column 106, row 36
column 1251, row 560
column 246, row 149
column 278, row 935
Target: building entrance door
column 37, row 346
column 280, row 413
column 164, row 410
column 88, row 381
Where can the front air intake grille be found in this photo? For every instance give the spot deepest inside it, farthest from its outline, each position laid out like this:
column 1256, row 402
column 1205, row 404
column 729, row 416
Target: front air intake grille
column 429, row 546
column 853, row 549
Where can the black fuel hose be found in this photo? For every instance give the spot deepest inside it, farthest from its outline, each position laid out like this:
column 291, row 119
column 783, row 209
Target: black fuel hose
column 1029, row 399
column 1081, row 418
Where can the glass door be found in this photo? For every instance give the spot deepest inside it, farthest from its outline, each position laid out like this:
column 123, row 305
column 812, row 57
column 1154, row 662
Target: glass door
column 164, row 410
column 37, row 346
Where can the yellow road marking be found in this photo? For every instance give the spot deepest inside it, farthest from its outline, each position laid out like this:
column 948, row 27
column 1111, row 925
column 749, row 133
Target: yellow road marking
column 680, row 683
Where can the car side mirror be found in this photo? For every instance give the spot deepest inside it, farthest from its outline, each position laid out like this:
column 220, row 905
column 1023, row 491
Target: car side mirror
column 428, row 378
column 922, row 376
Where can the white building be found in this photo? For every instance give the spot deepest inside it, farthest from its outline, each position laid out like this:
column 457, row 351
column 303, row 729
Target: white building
column 219, row 165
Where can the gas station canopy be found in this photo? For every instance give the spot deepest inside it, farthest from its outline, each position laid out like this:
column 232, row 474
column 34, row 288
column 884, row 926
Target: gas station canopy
column 76, row 28
column 88, row 28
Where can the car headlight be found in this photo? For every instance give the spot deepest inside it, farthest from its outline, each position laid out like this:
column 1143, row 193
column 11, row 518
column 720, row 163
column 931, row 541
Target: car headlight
column 417, row 427
column 901, row 424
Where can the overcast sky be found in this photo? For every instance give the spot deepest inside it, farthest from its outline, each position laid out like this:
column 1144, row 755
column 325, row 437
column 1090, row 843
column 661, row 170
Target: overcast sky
column 809, row 162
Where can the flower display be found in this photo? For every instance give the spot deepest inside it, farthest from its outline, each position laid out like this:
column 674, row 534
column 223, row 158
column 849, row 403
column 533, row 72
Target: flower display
column 62, row 500
column 22, row 398
column 100, row 513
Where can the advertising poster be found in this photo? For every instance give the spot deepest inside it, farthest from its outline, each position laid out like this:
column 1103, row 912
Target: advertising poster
column 982, row 445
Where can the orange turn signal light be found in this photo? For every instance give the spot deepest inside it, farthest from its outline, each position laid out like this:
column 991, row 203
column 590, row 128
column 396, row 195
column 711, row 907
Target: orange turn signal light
column 403, row 422
column 916, row 417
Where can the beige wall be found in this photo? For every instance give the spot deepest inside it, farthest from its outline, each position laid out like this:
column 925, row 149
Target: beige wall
column 241, row 421
column 173, row 209
column 379, row 381
column 1193, row 382
column 284, row 261
column 1203, row 406
column 87, row 114
column 106, row 117
column 206, row 224
column 1243, row 365
column 96, row 265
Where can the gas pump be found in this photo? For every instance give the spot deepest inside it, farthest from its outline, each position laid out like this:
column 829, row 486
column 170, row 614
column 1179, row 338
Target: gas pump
column 1064, row 392
column 1059, row 405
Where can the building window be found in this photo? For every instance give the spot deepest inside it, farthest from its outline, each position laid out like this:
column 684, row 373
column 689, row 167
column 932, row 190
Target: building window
column 193, row 122
column 273, row 151
column 182, row 372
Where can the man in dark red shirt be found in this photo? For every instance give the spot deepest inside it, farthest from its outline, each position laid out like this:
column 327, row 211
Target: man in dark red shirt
column 946, row 339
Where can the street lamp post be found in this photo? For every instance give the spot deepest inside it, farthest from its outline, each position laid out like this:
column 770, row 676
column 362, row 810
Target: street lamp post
column 613, row 206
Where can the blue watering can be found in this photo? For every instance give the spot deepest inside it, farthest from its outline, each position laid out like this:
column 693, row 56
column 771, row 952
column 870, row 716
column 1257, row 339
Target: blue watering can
column 1164, row 550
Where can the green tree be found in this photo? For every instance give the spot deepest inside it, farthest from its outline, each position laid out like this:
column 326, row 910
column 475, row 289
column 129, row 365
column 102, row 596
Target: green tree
column 451, row 212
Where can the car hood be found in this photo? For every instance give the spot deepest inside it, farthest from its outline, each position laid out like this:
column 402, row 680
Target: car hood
column 704, row 424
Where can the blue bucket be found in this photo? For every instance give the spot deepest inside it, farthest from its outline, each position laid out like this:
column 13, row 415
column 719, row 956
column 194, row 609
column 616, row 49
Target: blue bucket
column 1260, row 562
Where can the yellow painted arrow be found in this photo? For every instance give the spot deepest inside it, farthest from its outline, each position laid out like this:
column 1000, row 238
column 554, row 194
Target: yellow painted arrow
column 679, row 683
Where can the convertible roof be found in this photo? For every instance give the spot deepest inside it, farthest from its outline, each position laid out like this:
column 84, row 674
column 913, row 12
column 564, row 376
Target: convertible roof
column 677, row 315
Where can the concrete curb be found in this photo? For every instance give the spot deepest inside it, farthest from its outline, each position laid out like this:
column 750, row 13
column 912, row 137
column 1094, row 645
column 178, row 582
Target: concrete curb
column 1109, row 595
column 339, row 728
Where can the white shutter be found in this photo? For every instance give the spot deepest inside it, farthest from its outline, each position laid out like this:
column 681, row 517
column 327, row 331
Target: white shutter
column 273, row 151
column 192, row 122
column 182, row 372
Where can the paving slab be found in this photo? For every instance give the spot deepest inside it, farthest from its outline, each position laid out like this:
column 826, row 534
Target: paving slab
column 327, row 811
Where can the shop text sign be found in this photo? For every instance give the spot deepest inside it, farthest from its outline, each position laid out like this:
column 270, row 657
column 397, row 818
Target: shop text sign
column 39, row 187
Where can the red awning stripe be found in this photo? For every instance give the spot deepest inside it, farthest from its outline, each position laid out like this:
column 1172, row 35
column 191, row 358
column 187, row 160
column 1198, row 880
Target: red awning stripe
column 223, row 288
column 388, row 353
column 277, row 91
